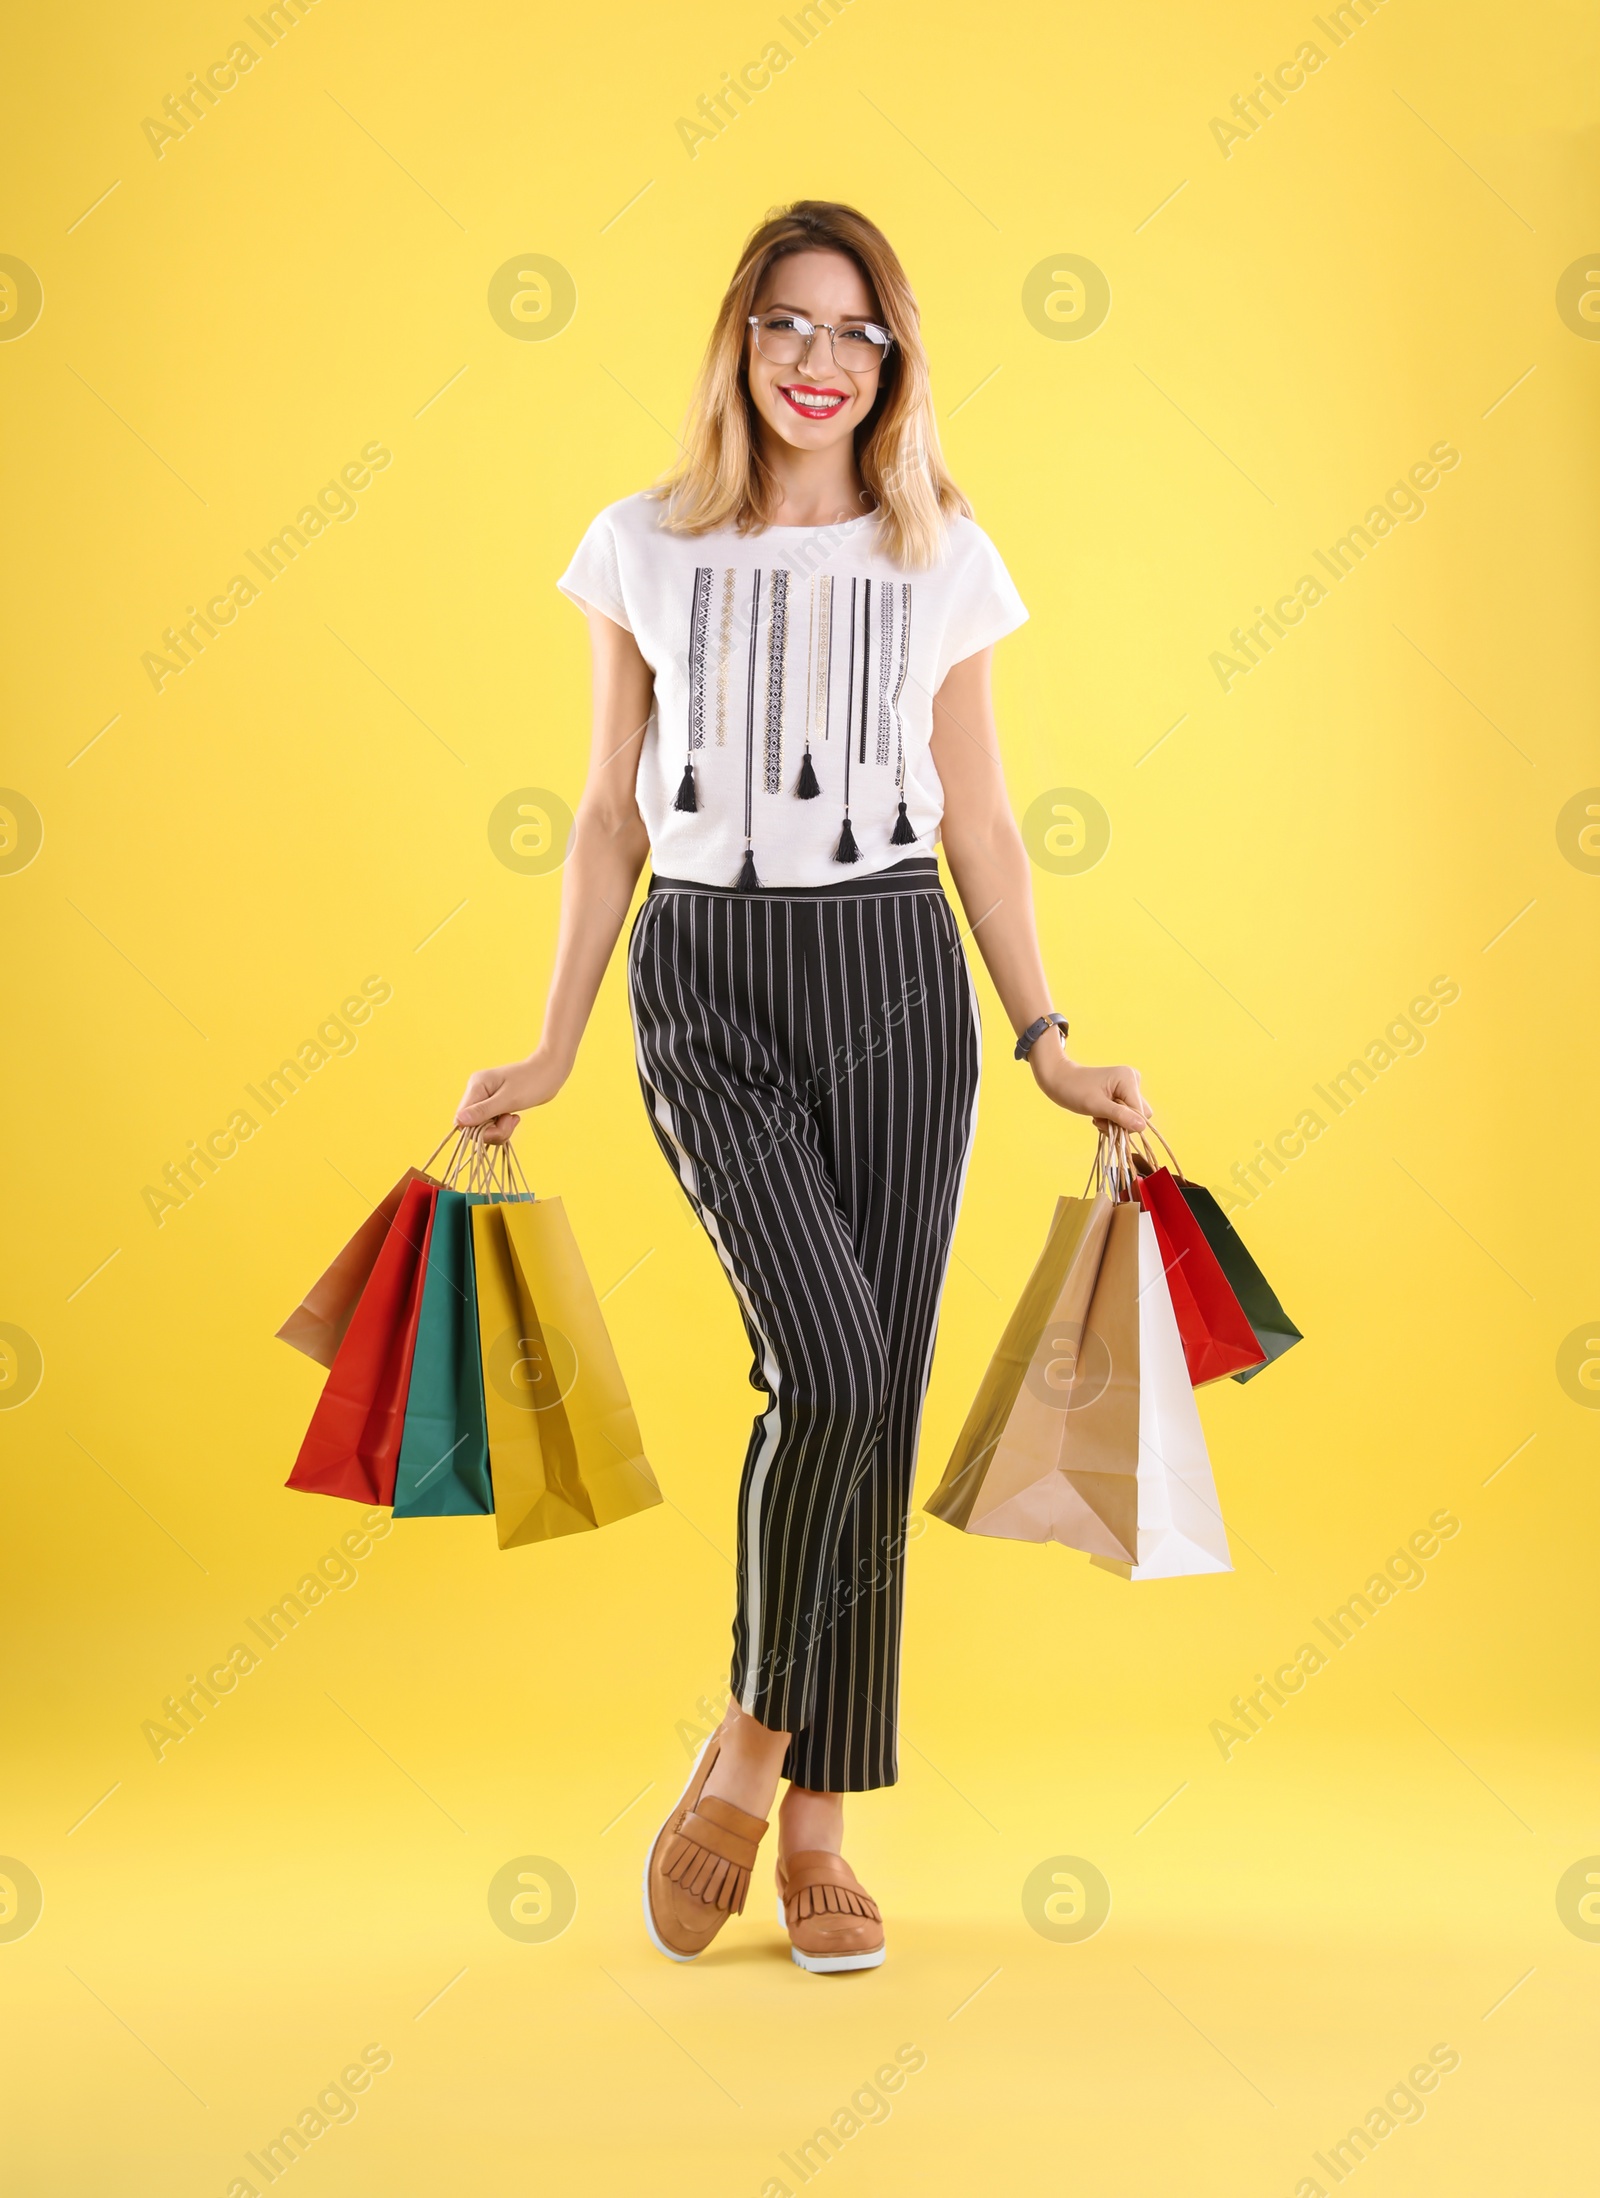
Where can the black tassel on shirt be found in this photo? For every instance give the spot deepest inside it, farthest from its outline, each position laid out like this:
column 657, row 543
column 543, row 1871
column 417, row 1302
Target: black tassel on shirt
column 748, row 881
column 902, row 835
column 808, row 789
column 699, row 613
column 847, row 850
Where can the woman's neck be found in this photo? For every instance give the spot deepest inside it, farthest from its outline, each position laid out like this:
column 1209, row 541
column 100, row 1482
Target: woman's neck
column 816, row 488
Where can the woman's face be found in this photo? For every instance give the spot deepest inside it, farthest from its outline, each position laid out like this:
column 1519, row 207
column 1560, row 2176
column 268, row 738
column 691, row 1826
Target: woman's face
column 814, row 404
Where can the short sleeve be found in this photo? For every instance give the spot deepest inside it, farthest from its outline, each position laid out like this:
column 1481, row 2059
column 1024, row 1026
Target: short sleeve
column 595, row 573
column 984, row 603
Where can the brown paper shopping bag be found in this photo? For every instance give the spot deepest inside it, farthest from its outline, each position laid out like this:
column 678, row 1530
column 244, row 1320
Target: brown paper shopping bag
column 1085, row 1430
column 1050, row 1449
column 1007, row 1451
column 318, row 1323
column 565, row 1454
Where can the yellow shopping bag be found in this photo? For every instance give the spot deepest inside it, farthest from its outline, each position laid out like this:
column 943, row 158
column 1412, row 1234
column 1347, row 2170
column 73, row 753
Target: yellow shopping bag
column 565, row 1453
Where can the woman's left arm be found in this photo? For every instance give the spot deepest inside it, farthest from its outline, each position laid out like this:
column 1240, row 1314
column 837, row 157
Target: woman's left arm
column 992, row 875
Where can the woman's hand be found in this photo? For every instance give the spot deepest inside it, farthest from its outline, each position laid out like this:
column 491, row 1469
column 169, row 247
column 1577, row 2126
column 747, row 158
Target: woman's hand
column 493, row 1101
column 1109, row 1095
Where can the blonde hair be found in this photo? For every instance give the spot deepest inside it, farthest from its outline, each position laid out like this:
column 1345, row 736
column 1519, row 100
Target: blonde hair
column 722, row 478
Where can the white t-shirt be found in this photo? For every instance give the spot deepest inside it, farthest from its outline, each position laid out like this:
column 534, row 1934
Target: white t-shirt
column 773, row 648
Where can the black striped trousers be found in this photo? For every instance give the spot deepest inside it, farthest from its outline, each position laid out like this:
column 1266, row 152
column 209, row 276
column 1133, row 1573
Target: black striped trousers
column 809, row 1059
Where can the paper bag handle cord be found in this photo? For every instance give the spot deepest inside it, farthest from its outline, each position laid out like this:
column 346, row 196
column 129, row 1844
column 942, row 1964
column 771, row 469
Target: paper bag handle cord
column 455, row 1133
column 494, row 1170
column 501, row 1173
column 457, row 1157
column 1150, row 1131
column 467, row 1171
column 463, row 1168
column 1099, row 1173
column 1112, row 1170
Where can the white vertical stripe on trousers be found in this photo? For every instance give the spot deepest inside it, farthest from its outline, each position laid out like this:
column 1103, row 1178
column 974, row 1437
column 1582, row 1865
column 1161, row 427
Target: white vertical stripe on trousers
column 772, row 1420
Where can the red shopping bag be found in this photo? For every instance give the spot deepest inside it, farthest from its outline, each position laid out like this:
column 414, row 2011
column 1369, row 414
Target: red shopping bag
column 352, row 1446
column 1217, row 1337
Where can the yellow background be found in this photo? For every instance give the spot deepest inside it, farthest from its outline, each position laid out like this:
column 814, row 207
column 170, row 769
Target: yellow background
column 307, row 805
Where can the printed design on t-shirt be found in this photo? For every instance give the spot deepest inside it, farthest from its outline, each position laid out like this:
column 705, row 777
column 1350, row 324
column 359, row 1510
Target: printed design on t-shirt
column 777, row 637
column 866, row 663
column 750, row 709
column 899, row 689
column 819, row 659
column 850, row 707
column 886, row 623
column 724, row 651
column 699, row 613
column 879, row 637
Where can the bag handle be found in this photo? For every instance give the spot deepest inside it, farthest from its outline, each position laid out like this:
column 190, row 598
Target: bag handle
column 452, row 1133
column 1144, row 1137
column 1112, row 1170
column 493, row 1170
column 461, row 1169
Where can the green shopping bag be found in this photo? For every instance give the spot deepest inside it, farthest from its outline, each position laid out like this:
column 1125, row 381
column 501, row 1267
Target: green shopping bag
column 444, row 1451
column 1274, row 1330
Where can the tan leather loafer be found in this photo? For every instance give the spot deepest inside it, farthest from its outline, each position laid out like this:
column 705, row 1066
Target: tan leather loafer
column 698, row 1870
column 832, row 1922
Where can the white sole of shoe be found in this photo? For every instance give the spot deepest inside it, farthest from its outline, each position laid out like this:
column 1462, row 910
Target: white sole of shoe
column 829, row 1964
column 824, row 1965
column 656, row 1939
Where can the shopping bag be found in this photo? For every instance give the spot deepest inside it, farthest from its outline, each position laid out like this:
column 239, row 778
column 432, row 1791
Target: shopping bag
column 1096, row 1443
column 1003, row 1476
column 1050, row 1450
column 1272, row 1327
column 318, row 1323
column 1217, row 1338
column 443, row 1469
column 564, row 1447
column 352, row 1446
column 1180, row 1529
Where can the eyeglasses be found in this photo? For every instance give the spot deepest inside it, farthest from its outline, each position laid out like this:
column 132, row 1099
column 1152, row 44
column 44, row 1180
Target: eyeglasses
column 786, row 340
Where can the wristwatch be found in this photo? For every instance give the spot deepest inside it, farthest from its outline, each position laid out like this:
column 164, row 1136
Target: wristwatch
column 1035, row 1031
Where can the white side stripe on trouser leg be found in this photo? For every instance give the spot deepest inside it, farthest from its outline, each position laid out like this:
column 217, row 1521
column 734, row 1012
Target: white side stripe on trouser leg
column 961, row 1192
column 772, row 1419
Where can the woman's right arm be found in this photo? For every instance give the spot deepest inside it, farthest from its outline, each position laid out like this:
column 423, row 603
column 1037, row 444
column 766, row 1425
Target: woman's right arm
column 609, row 848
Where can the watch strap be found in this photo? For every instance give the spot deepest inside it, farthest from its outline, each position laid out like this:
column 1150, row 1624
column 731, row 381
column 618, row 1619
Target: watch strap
column 1036, row 1030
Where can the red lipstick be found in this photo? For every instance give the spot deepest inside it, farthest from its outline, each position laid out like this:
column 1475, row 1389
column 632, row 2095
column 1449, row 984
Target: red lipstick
column 824, row 404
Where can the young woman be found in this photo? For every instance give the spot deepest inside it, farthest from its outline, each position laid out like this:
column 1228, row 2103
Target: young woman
column 791, row 643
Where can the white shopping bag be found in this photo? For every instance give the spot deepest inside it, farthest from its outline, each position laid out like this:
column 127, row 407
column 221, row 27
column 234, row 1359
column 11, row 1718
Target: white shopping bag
column 1180, row 1529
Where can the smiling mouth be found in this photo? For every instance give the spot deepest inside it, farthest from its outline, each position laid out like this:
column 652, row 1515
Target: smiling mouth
column 813, row 404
